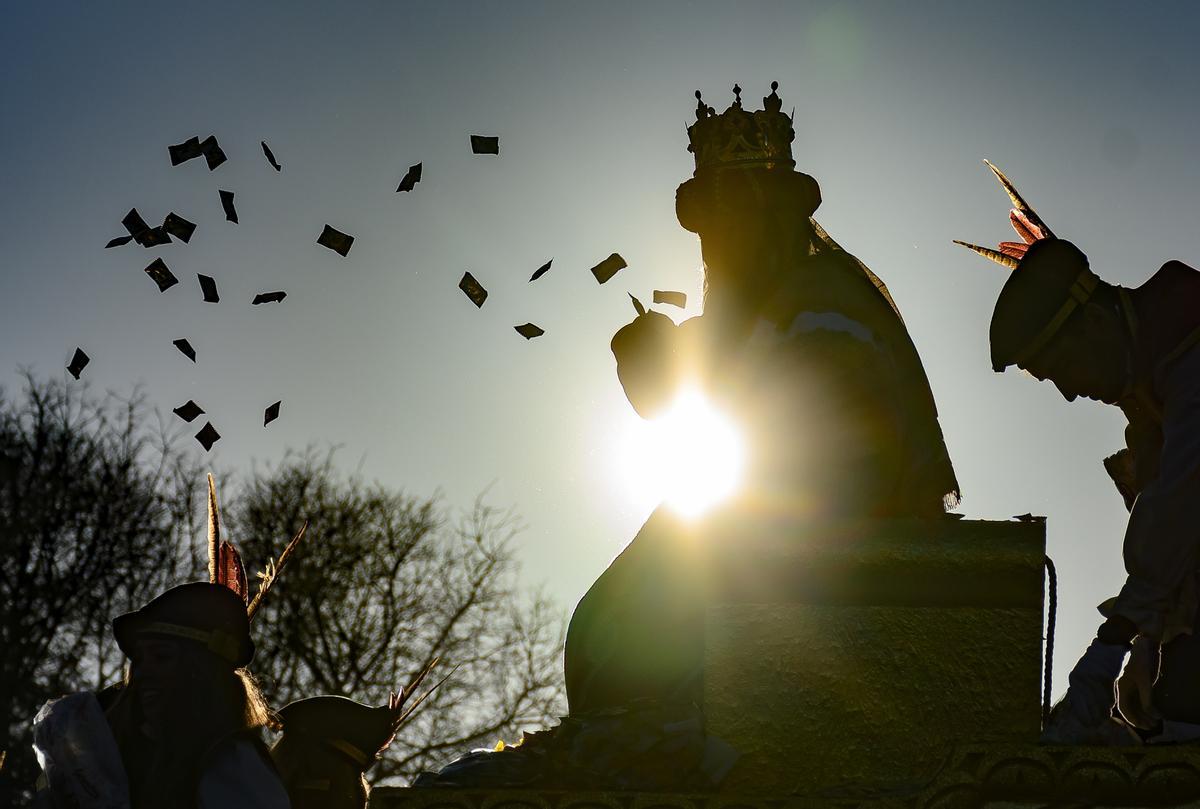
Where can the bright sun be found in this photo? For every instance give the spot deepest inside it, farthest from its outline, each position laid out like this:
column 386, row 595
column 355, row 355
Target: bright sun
column 691, row 456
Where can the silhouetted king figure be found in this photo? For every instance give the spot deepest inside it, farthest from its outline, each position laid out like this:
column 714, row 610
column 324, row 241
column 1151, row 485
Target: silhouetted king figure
column 802, row 345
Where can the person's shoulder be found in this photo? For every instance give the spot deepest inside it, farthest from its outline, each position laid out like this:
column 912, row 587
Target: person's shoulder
column 1170, row 278
column 836, row 280
column 1176, row 266
column 108, row 695
column 238, row 773
column 1170, row 298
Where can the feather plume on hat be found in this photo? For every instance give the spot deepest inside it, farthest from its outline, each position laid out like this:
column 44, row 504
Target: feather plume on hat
column 225, row 563
column 1025, row 221
column 270, row 572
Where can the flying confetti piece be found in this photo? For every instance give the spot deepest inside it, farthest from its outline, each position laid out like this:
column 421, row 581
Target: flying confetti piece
column 410, row 179
column 529, row 331
column 79, row 361
column 609, row 267
column 673, row 298
column 118, row 242
column 271, row 413
column 271, row 157
column 335, row 240
column 637, row 305
column 268, row 297
column 156, row 236
column 208, row 286
column 161, row 275
column 227, row 205
column 183, row 152
column 179, row 227
column 473, row 288
column 212, row 152
column 134, row 223
column 208, row 436
column 483, row 144
column 188, row 411
column 185, row 348
column 142, row 233
column 540, row 271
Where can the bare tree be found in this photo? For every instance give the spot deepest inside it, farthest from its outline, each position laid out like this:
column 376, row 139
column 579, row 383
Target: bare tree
column 100, row 509
column 383, row 583
column 95, row 508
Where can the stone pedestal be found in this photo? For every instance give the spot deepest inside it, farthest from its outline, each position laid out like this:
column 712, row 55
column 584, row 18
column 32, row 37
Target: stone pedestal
column 877, row 666
column 983, row 776
column 861, row 655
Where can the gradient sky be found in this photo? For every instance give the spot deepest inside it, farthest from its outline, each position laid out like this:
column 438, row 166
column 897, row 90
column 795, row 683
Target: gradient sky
column 1089, row 107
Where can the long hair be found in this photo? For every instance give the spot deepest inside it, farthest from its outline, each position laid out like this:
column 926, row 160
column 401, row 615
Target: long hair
column 215, row 703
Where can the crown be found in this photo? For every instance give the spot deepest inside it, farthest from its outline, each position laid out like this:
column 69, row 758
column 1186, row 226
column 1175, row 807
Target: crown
column 741, row 139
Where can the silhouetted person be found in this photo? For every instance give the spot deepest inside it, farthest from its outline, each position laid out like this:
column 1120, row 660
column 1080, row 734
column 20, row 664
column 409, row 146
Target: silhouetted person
column 186, row 721
column 802, row 345
column 328, row 743
column 1138, row 349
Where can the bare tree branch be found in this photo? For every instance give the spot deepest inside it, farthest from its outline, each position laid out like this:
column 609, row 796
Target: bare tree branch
column 386, row 583
column 95, row 509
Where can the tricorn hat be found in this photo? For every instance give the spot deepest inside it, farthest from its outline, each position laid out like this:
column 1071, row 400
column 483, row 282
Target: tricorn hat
column 1050, row 279
column 359, row 731
column 209, row 614
column 1049, row 284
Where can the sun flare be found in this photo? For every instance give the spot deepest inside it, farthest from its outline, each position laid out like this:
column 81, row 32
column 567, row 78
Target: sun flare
column 690, row 457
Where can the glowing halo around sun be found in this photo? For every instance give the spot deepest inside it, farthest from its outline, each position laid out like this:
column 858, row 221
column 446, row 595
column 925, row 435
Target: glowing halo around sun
column 691, row 457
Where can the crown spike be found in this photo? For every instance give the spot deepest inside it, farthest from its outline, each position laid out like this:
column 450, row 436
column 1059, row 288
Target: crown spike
column 738, row 137
column 773, row 103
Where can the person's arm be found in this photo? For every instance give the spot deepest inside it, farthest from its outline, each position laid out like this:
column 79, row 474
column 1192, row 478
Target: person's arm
column 1131, row 468
column 1160, row 541
column 1135, row 687
column 80, row 759
column 238, row 777
column 648, row 364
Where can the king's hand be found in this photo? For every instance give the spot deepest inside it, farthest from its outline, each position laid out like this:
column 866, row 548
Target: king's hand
column 647, row 364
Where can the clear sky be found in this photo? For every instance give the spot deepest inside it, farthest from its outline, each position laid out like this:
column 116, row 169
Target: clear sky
column 1089, row 107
